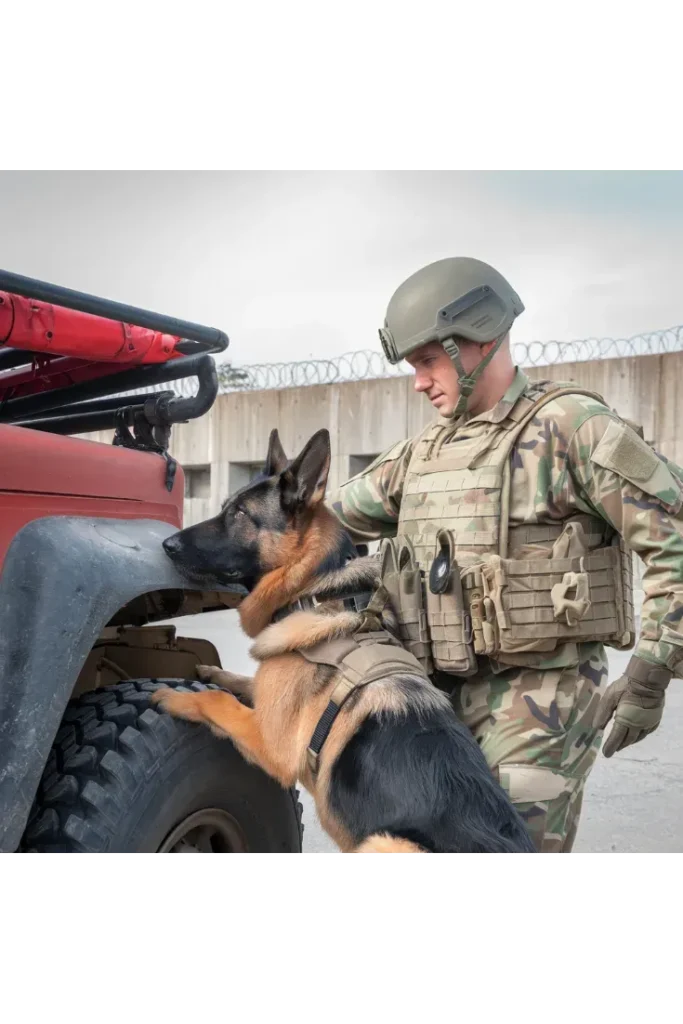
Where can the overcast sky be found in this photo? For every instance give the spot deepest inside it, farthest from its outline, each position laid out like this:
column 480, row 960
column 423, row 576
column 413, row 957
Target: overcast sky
column 298, row 264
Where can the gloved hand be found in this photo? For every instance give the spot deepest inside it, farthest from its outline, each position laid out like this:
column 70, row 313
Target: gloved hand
column 636, row 700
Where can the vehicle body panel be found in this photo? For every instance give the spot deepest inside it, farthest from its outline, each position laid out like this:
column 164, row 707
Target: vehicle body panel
column 45, row 474
column 63, row 580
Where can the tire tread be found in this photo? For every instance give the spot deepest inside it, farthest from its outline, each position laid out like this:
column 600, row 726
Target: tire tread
column 109, row 743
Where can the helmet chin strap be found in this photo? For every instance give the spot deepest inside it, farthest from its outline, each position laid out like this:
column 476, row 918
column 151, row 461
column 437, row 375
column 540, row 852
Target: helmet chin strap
column 467, row 381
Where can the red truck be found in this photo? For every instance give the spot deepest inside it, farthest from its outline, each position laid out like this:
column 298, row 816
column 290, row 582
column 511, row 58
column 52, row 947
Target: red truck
column 86, row 763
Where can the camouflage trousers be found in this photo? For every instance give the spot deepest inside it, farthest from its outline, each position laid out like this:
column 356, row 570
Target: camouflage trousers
column 536, row 731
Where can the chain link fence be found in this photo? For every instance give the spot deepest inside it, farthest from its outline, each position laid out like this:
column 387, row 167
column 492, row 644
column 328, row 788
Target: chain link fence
column 370, row 364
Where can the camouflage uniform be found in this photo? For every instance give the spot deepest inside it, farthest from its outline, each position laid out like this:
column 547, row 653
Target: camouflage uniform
column 535, row 722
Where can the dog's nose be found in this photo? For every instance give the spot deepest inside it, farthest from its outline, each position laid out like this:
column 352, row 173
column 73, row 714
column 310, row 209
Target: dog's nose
column 172, row 545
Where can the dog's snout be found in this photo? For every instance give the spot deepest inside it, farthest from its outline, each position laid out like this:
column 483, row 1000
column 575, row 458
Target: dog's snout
column 172, row 545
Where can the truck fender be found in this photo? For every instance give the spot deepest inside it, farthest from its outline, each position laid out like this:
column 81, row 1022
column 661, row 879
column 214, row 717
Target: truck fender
column 63, row 579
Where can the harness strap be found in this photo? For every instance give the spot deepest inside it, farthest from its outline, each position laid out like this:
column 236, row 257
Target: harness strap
column 342, row 690
column 360, row 660
column 351, row 604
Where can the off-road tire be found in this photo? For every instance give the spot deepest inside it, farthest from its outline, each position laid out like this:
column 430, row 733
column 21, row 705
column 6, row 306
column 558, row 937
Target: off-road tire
column 123, row 774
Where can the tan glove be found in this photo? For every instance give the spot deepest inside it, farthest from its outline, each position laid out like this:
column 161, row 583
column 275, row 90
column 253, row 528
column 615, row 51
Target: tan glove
column 636, row 700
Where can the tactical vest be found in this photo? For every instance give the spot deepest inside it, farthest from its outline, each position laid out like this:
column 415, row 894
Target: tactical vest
column 448, row 574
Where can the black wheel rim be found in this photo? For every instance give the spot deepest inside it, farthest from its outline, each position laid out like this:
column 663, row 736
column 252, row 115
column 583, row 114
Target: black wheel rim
column 207, row 831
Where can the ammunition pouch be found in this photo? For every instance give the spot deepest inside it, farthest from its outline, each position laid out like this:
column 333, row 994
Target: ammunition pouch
column 429, row 608
column 515, row 611
column 402, row 580
column 448, row 620
column 533, row 606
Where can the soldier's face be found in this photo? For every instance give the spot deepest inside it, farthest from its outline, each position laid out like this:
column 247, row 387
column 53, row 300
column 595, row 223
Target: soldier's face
column 437, row 377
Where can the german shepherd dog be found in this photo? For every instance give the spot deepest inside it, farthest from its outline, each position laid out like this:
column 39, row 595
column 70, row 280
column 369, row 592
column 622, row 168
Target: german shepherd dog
column 398, row 771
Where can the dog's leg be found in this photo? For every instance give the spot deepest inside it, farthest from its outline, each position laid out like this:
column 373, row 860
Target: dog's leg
column 226, row 717
column 231, row 681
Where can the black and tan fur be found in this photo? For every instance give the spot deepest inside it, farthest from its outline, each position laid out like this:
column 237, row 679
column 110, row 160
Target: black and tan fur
column 398, row 771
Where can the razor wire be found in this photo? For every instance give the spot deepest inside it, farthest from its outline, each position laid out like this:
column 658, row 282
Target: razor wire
column 368, row 364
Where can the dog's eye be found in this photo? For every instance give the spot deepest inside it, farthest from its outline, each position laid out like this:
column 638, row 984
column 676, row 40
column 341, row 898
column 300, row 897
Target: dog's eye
column 239, row 512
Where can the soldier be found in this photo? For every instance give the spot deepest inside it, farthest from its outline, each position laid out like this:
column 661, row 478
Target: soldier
column 506, row 527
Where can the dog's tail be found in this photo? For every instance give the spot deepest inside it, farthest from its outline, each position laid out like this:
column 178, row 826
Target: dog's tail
column 384, row 843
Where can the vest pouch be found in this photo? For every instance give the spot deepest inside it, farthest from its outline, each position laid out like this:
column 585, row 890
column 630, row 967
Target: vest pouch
column 536, row 605
column 403, row 583
column 449, row 621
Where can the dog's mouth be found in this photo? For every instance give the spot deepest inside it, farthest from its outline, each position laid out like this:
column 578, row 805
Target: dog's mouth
column 198, row 568
column 209, row 574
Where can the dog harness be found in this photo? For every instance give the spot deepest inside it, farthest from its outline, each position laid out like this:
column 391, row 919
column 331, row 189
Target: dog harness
column 370, row 654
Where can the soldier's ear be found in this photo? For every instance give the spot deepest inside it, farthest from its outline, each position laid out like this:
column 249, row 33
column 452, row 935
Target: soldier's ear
column 304, row 481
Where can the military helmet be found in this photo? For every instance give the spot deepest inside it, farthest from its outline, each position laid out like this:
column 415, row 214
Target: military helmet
column 456, row 298
column 452, row 298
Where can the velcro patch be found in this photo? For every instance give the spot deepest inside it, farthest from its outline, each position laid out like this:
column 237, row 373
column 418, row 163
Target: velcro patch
column 622, row 451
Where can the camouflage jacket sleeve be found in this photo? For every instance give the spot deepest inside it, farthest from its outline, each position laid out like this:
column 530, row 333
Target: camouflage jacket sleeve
column 619, row 477
column 368, row 504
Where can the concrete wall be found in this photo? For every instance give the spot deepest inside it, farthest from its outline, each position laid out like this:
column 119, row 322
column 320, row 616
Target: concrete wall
column 365, row 417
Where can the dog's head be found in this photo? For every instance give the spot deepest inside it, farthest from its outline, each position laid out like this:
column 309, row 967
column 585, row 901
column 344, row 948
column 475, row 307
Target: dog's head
column 260, row 526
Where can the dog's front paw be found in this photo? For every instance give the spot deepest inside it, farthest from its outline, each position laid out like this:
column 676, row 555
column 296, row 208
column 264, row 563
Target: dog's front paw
column 229, row 681
column 180, row 705
column 206, row 673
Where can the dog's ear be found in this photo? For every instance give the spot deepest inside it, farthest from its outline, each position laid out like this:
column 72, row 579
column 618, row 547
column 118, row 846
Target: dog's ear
column 304, row 481
column 276, row 460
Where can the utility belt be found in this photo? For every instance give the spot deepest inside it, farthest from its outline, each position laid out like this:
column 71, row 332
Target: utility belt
column 514, row 610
